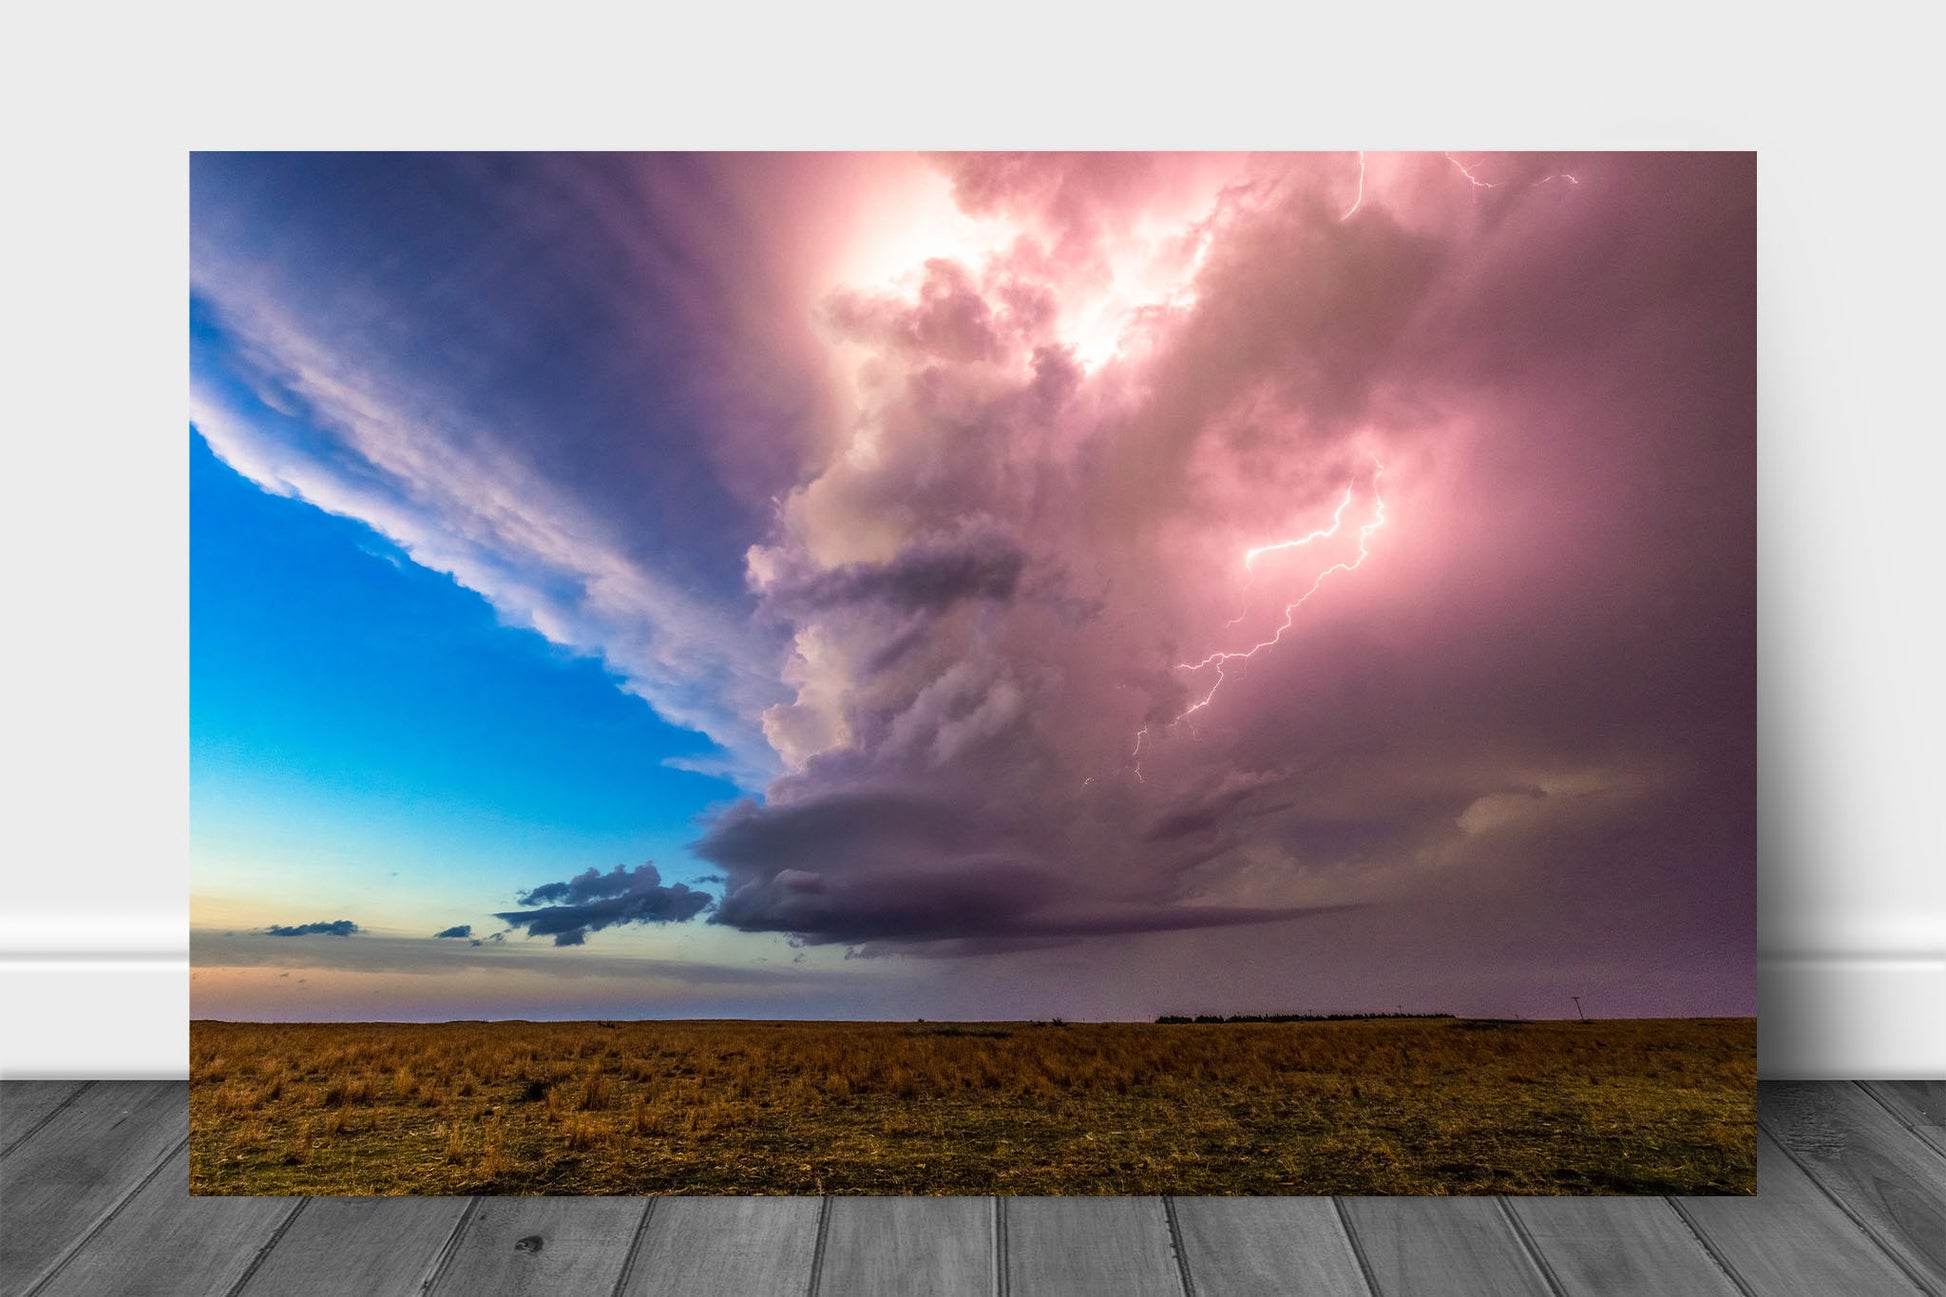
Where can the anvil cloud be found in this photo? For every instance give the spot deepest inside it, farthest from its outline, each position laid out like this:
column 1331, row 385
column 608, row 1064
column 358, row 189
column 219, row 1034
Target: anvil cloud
column 914, row 483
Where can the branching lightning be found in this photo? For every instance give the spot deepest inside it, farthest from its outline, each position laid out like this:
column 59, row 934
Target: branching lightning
column 1218, row 661
column 1464, row 170
column 1472, row 178
column 1478, row 183
column 1221, row 659
column 1322, row 533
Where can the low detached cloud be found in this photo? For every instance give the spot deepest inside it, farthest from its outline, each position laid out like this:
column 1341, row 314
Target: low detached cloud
column 457, row 930
column 335, row 928
column 591, row 901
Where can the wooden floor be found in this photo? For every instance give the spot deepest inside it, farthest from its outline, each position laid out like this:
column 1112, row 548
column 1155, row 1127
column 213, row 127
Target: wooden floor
column 1851, row 1203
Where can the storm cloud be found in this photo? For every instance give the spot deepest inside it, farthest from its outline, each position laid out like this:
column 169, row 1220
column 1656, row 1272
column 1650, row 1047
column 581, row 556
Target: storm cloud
column 1519, row 421
column 588, row 902
column 930, row 573
column 333, row 928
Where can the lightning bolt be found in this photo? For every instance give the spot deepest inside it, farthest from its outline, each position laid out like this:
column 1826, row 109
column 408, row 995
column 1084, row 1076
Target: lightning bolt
column 1337, row 517
column 1472, row 178
column 1476, row 182
column 1250, row 556
column 1222, row 658
column 1359, row 201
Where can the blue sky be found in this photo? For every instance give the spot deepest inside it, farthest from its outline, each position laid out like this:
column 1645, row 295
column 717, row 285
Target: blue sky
column 349, row 706
column 367, row 737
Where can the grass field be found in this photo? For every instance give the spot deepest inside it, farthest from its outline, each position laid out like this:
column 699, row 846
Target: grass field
column 1403, row 1106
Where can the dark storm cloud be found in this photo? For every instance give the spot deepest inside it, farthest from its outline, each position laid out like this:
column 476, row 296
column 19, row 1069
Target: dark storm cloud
column 929, row 574
column 334, row 928
column 978, row 915
column 457, row 930
column 590, row 901
column 886, row 866
column 836, row 829
column 1200, row 809
column 862, row 866
column 870, row 902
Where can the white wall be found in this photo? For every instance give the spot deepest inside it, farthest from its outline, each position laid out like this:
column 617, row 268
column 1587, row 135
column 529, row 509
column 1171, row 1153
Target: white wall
column 93, row 977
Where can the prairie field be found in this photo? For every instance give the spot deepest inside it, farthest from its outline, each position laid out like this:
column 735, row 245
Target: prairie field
column 1389, row 1106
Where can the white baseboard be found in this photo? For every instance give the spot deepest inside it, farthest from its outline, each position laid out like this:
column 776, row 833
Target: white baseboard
column 114, row 1015
column 119, row 1018
column 1831, row 1017
column 95, row 995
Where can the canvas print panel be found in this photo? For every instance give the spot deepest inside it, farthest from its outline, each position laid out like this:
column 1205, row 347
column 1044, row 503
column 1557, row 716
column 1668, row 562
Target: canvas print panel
column 1026, row 673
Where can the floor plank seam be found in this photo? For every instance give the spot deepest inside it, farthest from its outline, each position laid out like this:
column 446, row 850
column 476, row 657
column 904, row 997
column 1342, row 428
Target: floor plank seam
column 1357, row 1248
column 1001, row 1283
column 1532, row 1249
column 1879, row 1102
column 1175, row 1246
column 46, row 1117
column 634, row 1249
column 817, row 1252
column 444, row 1260
column 88, row 1235
column 1921, row 1137
column 263, row 1253
column 1892, row 1112
column 1872, row 1235
column 1721, row 1262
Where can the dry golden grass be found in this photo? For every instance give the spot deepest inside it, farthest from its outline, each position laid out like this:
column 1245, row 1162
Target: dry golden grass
column 1663, row 1106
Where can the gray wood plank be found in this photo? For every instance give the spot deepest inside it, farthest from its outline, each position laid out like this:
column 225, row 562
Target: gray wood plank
column 1114, row 1247
column 1791, row 1240
column 90, row 1156
column 1267, row 1247
column 164, row 1243
column 542, row 1246
column 27, row 1104
column 1605, row 1247
column 359, row 1247
column 726, row 1247
column 1442, row 1247
column 908, row 1247
column 71, row 1191
column 1890, row 1182
column 1920, row 1105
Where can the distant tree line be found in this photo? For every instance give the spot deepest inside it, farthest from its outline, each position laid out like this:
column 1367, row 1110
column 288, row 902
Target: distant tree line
column 1290, row 1017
